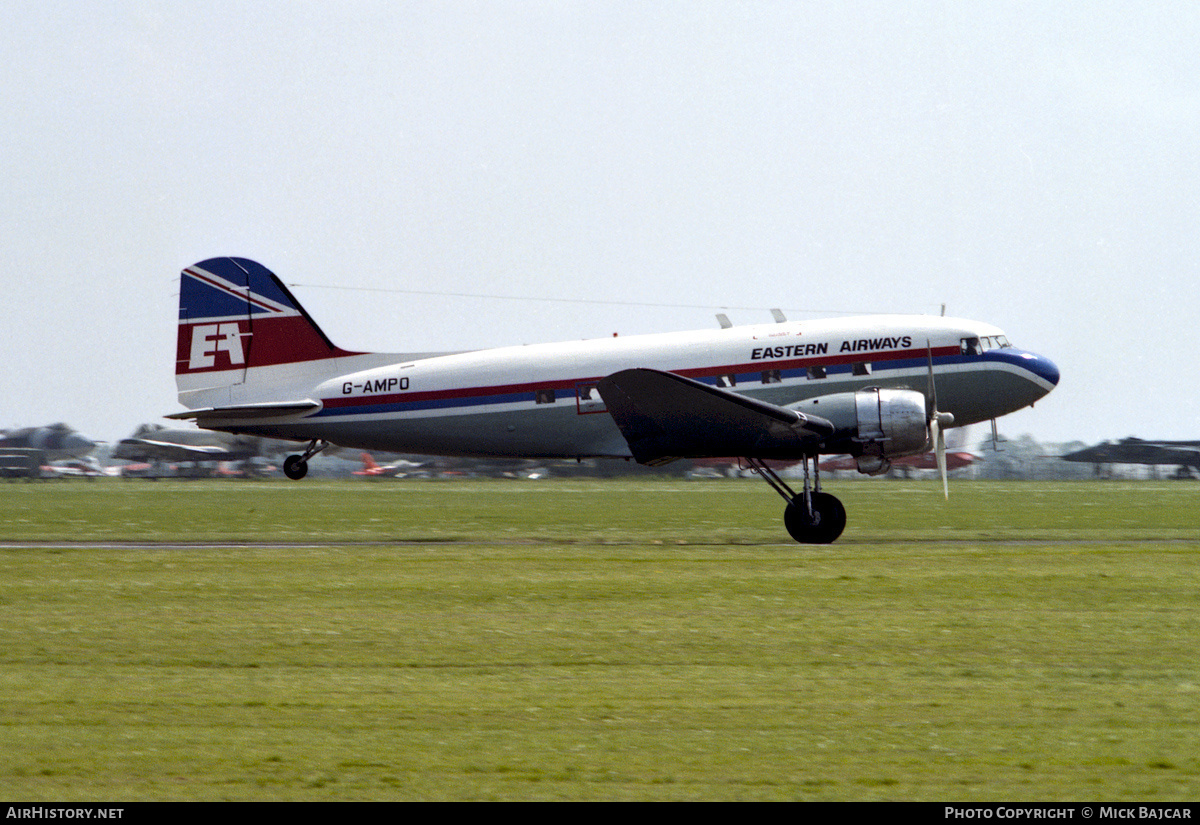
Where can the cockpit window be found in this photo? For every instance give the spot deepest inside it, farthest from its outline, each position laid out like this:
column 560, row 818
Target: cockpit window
column 974, row 346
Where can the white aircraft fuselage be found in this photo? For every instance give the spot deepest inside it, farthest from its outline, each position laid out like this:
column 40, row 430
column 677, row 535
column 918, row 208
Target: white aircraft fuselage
column 540, row 400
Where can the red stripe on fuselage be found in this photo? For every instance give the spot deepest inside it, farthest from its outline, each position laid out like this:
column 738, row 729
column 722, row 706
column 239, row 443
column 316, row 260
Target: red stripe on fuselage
column 697, row 373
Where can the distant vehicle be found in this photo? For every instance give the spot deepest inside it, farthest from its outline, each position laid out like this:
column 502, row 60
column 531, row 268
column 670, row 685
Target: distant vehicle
column 250, row 360
column 86, row 467
column 56, row 442
column 1182, row 454
column 141, row 469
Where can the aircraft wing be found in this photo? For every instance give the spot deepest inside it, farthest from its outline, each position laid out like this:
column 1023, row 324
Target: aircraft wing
column 664, row 416
column 1138, row 452
column 148, row 449
column 153, row 450
column 197, row 449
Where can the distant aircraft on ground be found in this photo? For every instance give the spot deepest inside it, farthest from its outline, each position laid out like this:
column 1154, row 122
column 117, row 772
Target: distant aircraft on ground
column 57, row 442
column 1183, row 454
column 373, row 468
column 30, row 452
column 250, row 360
column 153, row 442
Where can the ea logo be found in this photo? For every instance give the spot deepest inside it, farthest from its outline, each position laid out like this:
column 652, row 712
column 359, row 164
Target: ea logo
column 209, row 339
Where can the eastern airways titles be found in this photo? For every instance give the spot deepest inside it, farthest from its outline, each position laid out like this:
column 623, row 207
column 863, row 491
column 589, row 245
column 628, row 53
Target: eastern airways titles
column 800, row 350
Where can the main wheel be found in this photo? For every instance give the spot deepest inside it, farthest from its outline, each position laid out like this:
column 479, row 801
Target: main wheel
column 827, row 522
column 295, row 467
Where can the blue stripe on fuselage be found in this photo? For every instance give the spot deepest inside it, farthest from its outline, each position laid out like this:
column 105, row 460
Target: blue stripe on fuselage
column 462, row 399
column 1042, row 367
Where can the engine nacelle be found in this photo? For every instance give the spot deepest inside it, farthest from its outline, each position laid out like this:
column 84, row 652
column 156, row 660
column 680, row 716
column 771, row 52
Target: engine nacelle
column 874, row 425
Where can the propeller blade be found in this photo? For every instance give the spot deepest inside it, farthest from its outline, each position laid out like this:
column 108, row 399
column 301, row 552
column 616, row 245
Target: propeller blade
column 937, row 421
column 940, row 440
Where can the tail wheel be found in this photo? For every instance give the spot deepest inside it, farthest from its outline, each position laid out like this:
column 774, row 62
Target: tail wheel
column 295, row 467
column 826, row 523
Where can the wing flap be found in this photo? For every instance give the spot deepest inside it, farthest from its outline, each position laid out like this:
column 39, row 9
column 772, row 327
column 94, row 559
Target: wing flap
column 664, row 417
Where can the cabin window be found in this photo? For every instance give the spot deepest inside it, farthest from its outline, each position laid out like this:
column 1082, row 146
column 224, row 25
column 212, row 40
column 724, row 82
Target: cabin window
column 544, row 396
column 861, row 368
column 772, row 377
column 816, row 372
column 726, row 380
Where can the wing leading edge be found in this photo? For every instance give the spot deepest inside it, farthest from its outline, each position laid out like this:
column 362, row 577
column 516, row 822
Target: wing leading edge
column 665, row 417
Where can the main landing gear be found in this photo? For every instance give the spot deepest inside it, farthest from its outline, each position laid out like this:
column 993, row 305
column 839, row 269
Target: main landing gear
column 295, row 467
column 811, row 517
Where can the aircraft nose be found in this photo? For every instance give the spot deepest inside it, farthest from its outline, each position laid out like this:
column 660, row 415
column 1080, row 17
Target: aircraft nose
column 1043, row 368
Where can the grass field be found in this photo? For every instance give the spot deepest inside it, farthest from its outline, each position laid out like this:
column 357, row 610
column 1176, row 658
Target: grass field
column 616, row 640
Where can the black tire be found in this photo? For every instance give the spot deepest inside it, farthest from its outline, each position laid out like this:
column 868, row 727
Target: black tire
column 827, row 522
column 295, row 467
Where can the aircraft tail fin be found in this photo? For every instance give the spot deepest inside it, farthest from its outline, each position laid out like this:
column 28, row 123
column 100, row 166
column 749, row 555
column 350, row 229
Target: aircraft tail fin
column 236, row 316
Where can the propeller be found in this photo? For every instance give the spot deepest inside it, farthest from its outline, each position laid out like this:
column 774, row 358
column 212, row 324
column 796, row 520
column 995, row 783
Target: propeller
column 938, row 421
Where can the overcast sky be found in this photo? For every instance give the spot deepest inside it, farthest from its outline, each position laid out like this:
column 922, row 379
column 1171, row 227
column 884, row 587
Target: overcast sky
column 1033, row 165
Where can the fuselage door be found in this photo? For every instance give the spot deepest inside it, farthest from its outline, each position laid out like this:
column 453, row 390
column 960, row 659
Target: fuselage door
column 588, row 400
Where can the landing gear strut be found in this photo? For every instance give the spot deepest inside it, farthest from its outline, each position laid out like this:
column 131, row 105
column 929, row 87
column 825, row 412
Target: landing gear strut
column 295, row 467
column 811, row 517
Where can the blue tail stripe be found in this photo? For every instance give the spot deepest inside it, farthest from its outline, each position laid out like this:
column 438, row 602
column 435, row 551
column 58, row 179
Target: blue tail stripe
column 198, row 299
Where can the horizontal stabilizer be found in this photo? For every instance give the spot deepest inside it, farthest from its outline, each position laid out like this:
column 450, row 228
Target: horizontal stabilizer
column 664, row 416
column 206, row 416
